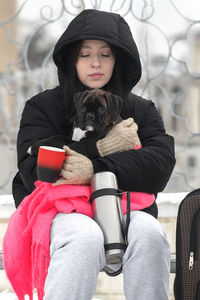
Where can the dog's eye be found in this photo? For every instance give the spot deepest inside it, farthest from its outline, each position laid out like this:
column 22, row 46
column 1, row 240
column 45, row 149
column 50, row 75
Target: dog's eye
column 83, row 108
column 101, row 109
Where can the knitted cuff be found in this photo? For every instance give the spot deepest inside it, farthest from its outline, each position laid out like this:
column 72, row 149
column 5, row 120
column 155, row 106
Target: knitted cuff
column 112, row 145
column 109, row 146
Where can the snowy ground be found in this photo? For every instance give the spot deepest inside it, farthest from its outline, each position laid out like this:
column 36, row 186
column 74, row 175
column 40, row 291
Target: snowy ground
column 5, row 295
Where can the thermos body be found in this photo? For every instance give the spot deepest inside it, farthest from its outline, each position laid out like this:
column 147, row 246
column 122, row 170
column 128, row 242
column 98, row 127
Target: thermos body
column 108, row 214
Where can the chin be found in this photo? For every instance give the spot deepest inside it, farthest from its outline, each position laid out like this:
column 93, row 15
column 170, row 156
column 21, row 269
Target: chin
column 96, row 86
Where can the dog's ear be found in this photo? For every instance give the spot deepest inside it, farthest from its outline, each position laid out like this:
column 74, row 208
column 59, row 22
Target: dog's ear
column 78, row 99
column 114, row 106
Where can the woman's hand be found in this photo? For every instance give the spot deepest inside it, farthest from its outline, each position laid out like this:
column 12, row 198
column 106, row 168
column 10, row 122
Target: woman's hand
column 121, row 137
column 77, row 169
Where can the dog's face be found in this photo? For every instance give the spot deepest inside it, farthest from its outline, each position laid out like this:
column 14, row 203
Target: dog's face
column 96, row 109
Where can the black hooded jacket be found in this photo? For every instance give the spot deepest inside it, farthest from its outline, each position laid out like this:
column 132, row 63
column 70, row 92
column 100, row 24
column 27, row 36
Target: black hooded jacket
column 146, row 170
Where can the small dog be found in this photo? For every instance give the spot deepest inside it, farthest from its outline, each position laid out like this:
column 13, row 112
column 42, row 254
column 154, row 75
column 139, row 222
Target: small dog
column 97, row 111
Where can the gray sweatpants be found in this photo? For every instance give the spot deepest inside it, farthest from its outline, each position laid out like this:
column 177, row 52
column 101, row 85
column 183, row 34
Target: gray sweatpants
column 77, row 256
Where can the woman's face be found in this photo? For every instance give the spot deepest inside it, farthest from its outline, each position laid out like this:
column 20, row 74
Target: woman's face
column 95, row 63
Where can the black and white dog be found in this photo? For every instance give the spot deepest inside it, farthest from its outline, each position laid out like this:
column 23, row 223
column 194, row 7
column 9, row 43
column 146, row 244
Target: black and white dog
column 97, row 111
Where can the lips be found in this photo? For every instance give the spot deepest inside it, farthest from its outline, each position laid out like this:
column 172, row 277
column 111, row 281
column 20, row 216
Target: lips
column 95, row 75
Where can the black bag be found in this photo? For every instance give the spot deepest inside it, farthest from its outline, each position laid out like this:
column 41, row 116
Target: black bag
column 187, row 281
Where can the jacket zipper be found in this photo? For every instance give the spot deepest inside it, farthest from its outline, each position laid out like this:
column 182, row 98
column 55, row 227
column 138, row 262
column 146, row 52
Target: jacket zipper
column 194, row 234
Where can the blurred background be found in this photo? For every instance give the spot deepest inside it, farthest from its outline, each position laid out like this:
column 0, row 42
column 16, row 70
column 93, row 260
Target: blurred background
column 168, row 37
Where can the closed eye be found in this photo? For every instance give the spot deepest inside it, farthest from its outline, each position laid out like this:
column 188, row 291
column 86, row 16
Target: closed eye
column 83, row 109
column 101, row 109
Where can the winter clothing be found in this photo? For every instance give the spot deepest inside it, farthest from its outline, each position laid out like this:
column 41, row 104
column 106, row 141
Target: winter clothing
column 99, row 25
column 77, row 168
column 70, row 234
column 26, row 242
column 146, row 170
column 119, row 138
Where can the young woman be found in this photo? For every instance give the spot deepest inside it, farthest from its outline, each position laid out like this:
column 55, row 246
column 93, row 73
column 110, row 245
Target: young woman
column 97, row 50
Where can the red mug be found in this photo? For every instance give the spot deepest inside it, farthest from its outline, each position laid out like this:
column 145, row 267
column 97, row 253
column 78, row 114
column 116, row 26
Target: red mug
column 49, row 163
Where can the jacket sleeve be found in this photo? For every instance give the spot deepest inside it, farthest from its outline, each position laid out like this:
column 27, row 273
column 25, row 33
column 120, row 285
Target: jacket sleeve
column 36, row 123
column 147, row 169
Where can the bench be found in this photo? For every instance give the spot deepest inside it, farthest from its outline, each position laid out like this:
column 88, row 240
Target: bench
column 1, row 260
column 172, row 262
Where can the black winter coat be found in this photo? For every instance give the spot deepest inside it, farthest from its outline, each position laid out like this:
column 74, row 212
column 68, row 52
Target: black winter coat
column 146, row 170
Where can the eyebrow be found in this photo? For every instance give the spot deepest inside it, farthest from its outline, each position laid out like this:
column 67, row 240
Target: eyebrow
column 88, row 47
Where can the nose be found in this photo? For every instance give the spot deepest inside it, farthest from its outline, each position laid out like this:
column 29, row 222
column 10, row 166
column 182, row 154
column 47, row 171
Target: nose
column 95, row 62
column 90, row 117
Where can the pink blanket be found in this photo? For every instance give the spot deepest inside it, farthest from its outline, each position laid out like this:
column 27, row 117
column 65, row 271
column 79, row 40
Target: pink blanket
column 27, row 239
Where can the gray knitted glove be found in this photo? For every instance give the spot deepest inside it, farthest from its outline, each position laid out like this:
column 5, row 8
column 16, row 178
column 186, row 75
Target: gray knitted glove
column 121, row 137
column 77, row 169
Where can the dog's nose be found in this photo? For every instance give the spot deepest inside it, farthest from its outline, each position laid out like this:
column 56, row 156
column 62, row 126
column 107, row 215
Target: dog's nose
column 90, row 117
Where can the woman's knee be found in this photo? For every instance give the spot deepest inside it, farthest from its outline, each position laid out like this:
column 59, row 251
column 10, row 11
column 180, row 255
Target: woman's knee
column 147, row 231
column 76, row 231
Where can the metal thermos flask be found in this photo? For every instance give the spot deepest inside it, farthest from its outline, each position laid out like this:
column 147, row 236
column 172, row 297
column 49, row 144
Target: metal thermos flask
column 106, row 204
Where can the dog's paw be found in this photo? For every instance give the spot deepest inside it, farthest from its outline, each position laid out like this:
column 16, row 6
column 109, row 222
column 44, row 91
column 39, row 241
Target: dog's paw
column 33, row 150
column 29, row 151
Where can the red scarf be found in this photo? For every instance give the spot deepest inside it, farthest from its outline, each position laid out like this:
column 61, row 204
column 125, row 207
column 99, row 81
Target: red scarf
column 27, row 239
